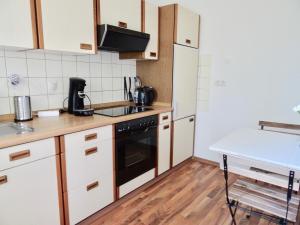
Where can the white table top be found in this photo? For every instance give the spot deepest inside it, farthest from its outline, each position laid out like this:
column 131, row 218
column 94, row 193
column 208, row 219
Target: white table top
column 264, row 146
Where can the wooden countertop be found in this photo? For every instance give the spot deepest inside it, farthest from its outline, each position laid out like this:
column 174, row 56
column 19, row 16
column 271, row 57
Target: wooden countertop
column 64, row 124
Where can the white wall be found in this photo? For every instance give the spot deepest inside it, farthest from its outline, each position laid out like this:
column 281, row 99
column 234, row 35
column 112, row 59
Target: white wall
column 254, row 73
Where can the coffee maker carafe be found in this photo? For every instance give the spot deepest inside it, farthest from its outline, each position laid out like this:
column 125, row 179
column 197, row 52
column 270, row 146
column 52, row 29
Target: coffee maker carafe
column 76, row 98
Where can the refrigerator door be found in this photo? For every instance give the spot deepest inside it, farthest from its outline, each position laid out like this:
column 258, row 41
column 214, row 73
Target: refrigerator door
column 185, row 70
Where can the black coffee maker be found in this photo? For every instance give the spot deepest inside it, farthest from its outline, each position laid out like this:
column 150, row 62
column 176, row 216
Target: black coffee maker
column 76, row 98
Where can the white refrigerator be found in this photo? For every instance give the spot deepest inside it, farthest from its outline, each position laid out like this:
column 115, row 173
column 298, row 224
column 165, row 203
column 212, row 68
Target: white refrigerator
column 185, row 73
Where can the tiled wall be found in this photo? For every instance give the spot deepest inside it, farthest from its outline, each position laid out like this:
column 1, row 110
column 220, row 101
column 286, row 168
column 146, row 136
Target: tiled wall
column 203, row 89
column 45, row 77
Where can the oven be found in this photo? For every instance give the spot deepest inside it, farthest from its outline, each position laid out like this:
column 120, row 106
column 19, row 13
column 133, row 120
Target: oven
column 135, row 148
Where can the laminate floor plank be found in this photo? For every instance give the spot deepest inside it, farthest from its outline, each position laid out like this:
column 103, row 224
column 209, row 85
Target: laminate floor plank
column 194, row 194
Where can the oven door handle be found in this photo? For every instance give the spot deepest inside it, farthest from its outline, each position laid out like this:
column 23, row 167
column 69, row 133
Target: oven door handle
column 138, row 131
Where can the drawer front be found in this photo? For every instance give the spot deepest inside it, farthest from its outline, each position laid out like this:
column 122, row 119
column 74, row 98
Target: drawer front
column 85, row 163
column 165, row 117
column 89, row 137
column 25, row 153
column 90, row 198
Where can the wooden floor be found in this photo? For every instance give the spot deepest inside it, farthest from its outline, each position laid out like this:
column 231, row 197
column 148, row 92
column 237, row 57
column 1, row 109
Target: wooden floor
column 192, row 195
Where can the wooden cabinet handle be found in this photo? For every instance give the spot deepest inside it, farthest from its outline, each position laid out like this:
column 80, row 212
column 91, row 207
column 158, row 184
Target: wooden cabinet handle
column 92, row 186
column 165, row 117
column 122, row 24
column 192, row 120
column 188, row 41
column 90, row 137
column 19, row 155
column 86, row 46
column 3, row 180
column 153, row 54
column 91, row 151
column 166, row 127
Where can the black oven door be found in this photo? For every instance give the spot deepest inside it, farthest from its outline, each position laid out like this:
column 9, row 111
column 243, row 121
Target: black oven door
column 136, row 152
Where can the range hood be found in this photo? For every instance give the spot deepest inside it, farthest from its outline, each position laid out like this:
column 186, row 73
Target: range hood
column 112, row 38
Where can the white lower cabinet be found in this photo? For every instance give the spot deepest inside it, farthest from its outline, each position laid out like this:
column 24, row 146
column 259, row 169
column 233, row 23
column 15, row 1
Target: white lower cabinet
column 89, row 172
column 164, row 147
column 29, row 194
column 183, row 139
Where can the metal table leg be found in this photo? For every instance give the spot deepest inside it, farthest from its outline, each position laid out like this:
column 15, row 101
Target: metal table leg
column 232, row 205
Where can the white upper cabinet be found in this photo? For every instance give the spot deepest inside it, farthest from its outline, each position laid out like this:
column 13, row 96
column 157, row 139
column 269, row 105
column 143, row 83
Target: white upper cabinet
column 122, row 13
column 187, row 27
column 68, row 25
column 150, row 20
column 18, row 24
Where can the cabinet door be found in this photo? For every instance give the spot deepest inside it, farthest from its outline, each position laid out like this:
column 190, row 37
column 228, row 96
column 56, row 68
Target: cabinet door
column 183, row 139
column 187, row 27
column 30, row 194
column 185, row 71
column 151, row 19
column 18, row 24
column 125, row 13
column 164, row 148
column 68, row 25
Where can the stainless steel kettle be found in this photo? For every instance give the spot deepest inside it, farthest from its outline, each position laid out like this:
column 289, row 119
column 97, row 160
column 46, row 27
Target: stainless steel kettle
column 22, row 106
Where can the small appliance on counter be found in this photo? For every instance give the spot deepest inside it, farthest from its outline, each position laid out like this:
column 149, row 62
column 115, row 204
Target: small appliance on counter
column 22, row 106
column 143, row 96
column 76, row 98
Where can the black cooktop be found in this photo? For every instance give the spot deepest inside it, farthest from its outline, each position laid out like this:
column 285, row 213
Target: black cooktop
column 121, row 111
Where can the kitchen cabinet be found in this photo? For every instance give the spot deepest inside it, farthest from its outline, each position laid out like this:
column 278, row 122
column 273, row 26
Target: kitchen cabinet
column 125, row 13
column 185, row 73
column 89, row 178
column 187, row 25
column 150, row 25
column 68, row 25
column 164, row 147
column 183, row 139
column 29, row 190
column 18, row 24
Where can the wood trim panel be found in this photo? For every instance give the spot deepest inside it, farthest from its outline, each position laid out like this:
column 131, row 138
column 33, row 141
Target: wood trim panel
column 66, row 208
column 95, row 10
column 143, row 16
column 172, row 145
column 199, row 28
column 175, row 22
column 132, row 55
column 57, row 145
column 40, row 24
column 157, row 151
column 60, row 191
column 64, row 180
column 63, row 164
column 19, row 155
column 279, row 125
column 98, row 12
column 34, row 23
column 116, row 189
column 151, row 71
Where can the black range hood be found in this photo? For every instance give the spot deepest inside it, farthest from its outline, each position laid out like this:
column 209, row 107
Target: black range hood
column 112, row 38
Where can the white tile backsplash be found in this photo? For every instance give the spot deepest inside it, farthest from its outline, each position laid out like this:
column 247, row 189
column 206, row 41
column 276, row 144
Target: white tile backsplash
column 5, row 108
column 36, row 68
column 2, row 67
column 3, row 88
column 45, row 77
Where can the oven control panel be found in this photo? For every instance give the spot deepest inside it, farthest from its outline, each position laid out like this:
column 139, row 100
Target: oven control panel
column 137, row 124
